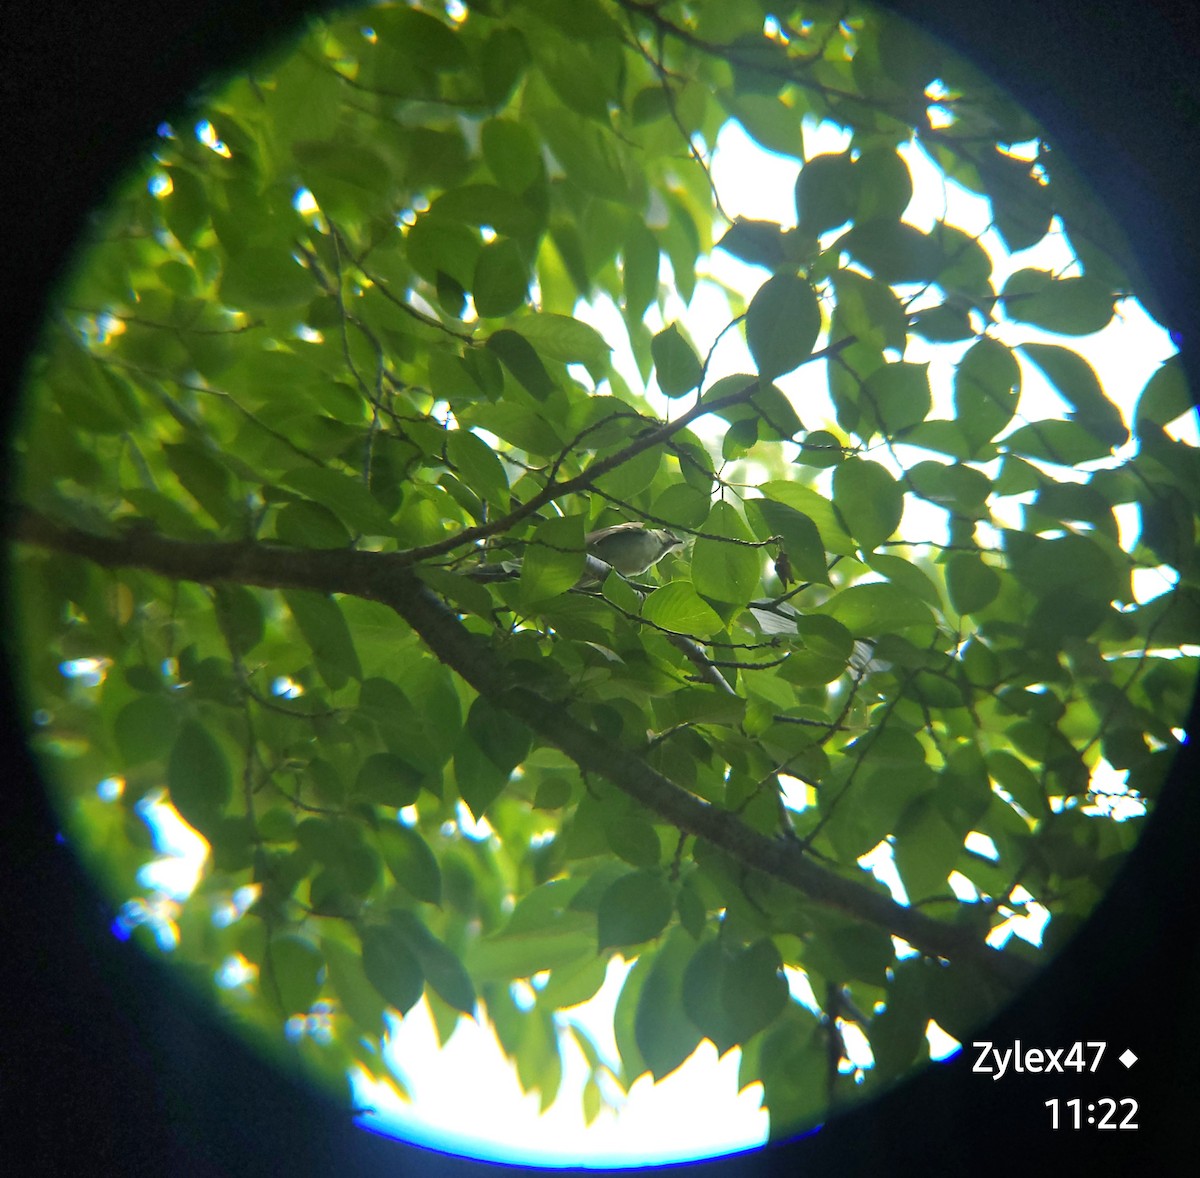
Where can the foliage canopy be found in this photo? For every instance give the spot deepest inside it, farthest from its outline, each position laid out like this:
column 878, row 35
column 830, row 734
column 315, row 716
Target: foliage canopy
column 325, row 356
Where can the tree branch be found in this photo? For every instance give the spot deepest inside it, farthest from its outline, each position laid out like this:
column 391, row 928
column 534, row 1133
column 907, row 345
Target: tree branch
column 386, row 577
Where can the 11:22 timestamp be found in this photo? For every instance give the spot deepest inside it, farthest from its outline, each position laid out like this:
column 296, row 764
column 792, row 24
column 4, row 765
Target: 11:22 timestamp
column 1098, row 1114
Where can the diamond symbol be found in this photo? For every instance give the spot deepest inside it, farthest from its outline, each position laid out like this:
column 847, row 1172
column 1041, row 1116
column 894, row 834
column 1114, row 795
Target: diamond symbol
column 1127, row 1058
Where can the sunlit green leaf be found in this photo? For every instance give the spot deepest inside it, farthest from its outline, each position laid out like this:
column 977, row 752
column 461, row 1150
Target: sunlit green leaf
column 868, row 500
column 553, row 559
column 725, row 564
column 678, row 607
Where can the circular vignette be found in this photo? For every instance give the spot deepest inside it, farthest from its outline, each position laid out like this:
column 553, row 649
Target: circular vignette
column 65, row 869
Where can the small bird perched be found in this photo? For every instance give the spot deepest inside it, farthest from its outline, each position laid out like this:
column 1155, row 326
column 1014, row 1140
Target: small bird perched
column 629, row 548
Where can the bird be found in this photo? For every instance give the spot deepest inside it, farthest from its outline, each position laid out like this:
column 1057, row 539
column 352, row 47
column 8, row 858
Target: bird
column 629, row 548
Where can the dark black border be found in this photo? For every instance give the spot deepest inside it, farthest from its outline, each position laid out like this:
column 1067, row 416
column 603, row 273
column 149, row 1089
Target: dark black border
column 108, row 1066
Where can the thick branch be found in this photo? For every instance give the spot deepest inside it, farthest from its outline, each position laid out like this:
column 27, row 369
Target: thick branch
column 386, row 578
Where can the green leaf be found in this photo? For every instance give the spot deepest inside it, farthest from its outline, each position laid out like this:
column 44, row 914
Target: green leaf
column 782, row 324
column 826, row 192
column 730, row 572
column 480, row 781
column 263, row 278
column 504, row 58
column 391, row 966
column 987, row 385
column 801, row 539
column 947, row 323
column 424, row 38
column 681, row 505
column 898, row 1034
column 869, row 501
column 144, row 729
column 899, row 394
column 967, row 268
column 437, row 246
column 1014, row 776
column 883, row 184
column 876, row 608
column 957, row 488
column 205, row 478
column 701, row 995
column 1165, row 398
column 410, row 861
column 1068, row 567
column 753, row 989
column 517, row 354
column 771, row 413
column 345, row 496
column 512, row 153
column 691, row 705
column 817, row 508
column 444, row 972
column 908, row 575
column 199, row 778
column 358, row 998
column 590, row 154
column 676, row 365
column 553, row 560
column 569, row 985
column 926, row 850
column 582, row 75
column 485, row 204
column 894, row 251
column 1069, row 306
column 520, row 954
column 504, row 740
column 760, row 243
column 820, row 449
column 477, row 463
column 567, row 340
column 640, row 261
column 1073, row 377
column 519, row 424
column 388, row 780
column 770, row 123
column 634, row 908
column 635, row 840
column 325, row 630
column 241, row 616
column 868, row 310
column 1063, row 442
column 186, row 209
column 971, row 583
column 291, row 967
column 665, row 1035
column 794, row 1072
column 1023, row 207
column 500, row 283
column 678, row 607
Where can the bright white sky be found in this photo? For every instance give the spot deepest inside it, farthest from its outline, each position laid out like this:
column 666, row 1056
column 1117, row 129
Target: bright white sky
column 466, row 1098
